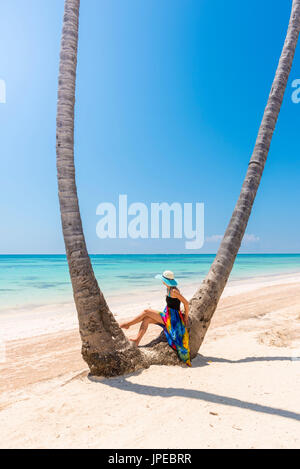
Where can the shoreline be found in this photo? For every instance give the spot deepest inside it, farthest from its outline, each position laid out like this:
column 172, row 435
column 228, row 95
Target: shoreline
column 33, row 321
column 31, row 282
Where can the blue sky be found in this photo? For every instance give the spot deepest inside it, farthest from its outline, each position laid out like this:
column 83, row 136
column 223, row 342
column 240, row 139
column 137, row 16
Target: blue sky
column 170, row 96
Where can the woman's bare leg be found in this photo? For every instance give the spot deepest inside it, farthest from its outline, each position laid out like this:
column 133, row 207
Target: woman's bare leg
column 147, row 313
column 143, row 330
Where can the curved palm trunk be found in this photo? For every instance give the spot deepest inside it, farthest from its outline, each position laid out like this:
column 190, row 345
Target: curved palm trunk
column 204, row 302
column 104, row 346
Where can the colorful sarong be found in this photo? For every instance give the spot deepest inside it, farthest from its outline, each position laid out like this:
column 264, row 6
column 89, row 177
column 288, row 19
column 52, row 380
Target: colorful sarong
column 176, row 333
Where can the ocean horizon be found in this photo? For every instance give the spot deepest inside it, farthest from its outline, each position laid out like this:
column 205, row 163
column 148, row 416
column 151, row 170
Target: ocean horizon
column 42, row 279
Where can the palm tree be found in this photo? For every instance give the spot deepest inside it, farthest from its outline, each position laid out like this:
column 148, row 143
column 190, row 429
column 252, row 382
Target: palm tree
column 105, row 348
column 104, row 345
column 205, row 300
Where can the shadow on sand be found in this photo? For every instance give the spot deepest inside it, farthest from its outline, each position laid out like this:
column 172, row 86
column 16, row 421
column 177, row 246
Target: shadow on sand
column 124, row 385
column 201, row 360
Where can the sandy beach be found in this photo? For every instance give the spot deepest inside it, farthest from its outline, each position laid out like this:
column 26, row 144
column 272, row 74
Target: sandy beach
column 242, row 391
column 134, row 179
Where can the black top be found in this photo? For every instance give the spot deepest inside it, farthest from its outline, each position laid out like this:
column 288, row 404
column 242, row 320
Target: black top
column 173, row 303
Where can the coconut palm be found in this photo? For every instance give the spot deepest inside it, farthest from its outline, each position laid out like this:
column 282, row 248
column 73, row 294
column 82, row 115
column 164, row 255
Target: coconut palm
column 105, row 348
column 104, row 345
column 205, row 300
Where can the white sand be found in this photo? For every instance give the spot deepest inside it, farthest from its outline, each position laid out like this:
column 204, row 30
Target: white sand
column 243, row 392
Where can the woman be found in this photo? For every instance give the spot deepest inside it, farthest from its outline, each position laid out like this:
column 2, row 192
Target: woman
column 172, row 320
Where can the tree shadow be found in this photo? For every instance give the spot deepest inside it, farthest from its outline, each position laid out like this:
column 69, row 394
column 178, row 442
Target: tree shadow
column 155, row 391
column 202, row 360
column 124, row 385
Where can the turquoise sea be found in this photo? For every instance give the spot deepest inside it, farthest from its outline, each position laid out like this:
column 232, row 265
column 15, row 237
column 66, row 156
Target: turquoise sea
column 27, row 280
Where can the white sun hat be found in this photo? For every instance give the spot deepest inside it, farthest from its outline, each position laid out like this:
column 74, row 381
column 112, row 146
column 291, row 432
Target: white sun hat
column 168, row 278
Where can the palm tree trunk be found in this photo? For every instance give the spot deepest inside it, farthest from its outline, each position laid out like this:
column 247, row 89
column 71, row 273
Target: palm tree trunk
column 205, row 300
column 104, row 345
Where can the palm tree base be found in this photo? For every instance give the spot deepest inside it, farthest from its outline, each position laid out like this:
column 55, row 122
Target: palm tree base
column 114, row 362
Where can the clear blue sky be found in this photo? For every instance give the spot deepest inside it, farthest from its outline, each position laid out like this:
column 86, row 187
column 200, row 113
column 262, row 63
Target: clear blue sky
column 170, row 96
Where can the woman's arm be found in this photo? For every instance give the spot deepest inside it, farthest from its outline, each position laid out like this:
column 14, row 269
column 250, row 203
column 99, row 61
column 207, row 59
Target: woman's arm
column 185, row 302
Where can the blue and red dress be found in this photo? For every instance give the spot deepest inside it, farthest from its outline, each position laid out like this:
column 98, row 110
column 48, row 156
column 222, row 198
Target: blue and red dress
column 175, row 329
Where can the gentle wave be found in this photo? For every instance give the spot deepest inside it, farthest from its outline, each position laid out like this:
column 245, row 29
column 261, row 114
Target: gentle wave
column 44, row 279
